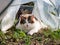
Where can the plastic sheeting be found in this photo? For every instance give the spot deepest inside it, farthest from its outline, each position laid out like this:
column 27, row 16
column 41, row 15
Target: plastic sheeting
column 41, row 10
column 5, row 3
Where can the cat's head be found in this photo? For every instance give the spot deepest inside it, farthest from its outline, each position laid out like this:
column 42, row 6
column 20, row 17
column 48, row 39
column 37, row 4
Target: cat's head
column 27, row 19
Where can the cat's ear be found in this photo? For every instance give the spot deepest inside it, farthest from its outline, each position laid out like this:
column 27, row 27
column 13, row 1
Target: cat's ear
column 31, row 14
column 34, row 17
column 21, row 17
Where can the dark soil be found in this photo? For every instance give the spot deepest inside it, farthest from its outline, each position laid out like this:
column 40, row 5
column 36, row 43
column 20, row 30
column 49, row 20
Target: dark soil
column 18, row 37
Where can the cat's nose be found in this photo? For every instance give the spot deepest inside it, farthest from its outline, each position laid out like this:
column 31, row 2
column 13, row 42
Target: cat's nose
column 27, row 25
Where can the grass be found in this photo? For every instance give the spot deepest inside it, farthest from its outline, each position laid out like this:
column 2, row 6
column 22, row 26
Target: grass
column 16, row 36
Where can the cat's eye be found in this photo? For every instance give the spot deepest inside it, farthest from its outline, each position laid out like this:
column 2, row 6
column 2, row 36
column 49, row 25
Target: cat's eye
column 23, row 20
column 30, row 20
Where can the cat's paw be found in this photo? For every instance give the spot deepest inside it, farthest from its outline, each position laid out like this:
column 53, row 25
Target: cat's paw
column 30, row 33
column 4, row 31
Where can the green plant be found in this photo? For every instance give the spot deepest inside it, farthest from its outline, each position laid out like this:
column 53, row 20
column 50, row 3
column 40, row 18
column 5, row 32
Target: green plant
column 54, row 35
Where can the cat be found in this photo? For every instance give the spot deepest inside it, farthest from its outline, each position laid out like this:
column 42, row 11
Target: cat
column 30, row 24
